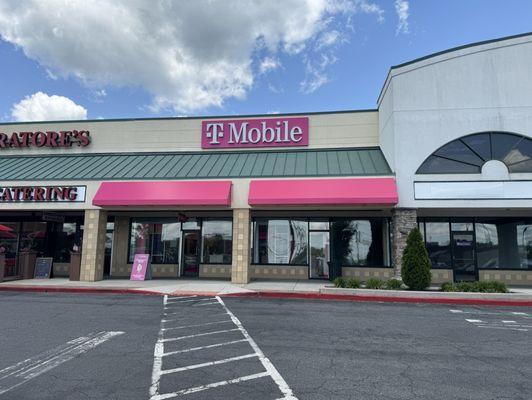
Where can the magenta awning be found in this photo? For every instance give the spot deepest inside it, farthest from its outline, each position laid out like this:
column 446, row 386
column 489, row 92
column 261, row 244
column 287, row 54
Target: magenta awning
column 351, row 191
column 164, row 193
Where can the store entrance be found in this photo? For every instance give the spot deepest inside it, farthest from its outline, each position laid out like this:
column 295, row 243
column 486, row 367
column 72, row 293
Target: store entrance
column 190, row 259
column 463, row 250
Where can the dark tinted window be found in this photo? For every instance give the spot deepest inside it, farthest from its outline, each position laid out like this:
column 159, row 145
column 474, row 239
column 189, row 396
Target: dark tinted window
column 438, row 165
column 458, row 151
column 467, row 155
column 480, row 144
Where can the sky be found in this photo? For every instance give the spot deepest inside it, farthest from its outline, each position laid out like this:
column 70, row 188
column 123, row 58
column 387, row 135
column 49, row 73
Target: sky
column 79, row 59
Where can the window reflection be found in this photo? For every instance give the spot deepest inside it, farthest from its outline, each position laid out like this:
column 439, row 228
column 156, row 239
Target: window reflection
column 217, row 241
column 437, row 241
column 360, row 242
column 159, row 239
column 281, row 242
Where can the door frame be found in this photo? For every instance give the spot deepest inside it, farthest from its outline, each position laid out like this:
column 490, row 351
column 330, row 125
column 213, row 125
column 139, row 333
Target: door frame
column 182, row 252
column 473, row 249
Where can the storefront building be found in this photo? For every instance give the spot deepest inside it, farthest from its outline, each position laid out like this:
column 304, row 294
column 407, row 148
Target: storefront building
column 306, row 196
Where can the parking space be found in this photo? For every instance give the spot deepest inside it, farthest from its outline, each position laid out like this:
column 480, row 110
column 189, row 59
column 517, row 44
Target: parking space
column 203, row 351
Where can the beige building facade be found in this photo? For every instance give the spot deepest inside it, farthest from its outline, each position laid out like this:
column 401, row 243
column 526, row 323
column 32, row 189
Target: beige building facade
column 293, row 196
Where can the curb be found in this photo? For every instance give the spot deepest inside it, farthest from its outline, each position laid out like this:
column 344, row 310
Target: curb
column 83, row 290
column 277, row 295
column 383, row 299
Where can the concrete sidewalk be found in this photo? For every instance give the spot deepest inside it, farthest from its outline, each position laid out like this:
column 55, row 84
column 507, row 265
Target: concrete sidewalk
column 169, row 286
column 308, row 289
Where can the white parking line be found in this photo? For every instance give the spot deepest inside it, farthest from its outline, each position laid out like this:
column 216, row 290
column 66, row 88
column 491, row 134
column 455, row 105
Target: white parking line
column 209, row 386
column 170, row 299
column 208, row 364
column 192, row 318
column 204, row 304
column 197, row 335
column 210, row 346
column 18, row 374
column 276, row 376
column 475, row 321
column 187, row 301
column 159, row 353
column 196, row 325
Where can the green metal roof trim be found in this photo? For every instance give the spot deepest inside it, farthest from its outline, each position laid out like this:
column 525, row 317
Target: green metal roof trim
column 199, row 165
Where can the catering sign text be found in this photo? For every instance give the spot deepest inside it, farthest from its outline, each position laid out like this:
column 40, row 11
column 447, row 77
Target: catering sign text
column 48, row 194
column 269, row 132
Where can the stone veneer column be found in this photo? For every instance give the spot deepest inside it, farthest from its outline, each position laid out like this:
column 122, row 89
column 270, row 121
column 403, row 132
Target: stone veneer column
column 403, row 221
column 240, row 265
column 93, row 247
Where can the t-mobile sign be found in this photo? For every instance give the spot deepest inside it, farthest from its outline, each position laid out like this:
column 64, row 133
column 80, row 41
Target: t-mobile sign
column 271, row 132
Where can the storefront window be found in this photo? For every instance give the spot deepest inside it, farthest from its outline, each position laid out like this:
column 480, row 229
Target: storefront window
column 160, row 239
column 503, row 243
column 217, row 241
column 437, row 241
column 65, row 238
column 360, row 242
column 32, row 236
column 279, row 241
column 9, row 246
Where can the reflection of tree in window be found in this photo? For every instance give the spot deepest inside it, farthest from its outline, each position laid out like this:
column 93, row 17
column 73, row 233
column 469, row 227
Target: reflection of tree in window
column 358, row 242
column 282, row 241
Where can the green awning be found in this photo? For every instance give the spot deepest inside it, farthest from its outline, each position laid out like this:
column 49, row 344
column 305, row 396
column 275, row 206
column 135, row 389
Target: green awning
column 198, row 165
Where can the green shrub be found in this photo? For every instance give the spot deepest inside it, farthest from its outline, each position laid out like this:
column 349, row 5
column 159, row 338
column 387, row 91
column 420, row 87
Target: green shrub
column 352, row 283
column 478, row 287
column 339, row 282
column 416, row 262
column 374, row 283
column 448, row 287
column 393, row 284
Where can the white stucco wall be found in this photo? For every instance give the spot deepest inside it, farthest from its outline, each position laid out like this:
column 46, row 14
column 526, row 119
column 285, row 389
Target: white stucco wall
column 429, row 103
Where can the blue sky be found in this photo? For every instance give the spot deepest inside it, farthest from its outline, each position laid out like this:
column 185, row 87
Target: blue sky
column 118, row 61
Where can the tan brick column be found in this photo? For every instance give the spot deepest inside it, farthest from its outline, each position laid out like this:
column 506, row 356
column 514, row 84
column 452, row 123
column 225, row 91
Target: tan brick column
column 240, row 265
column 93, row 247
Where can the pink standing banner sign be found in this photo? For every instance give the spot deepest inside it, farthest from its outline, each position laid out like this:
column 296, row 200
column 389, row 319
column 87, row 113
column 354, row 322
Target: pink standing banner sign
column 266, row 132
column 140, row 268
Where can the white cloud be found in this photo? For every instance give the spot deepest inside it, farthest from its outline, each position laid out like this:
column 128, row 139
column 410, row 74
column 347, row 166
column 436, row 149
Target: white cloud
column 268, row 64
column 41, row 107
column 402, row 10
column 327, row 39
column 188, row 55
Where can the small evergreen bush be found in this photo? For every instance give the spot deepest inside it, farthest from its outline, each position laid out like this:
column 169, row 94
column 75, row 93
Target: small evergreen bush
column 339, row 282
column 416, row 262
column 448, row 287
column 374, row 283
column 352, row 283
column 393, row 284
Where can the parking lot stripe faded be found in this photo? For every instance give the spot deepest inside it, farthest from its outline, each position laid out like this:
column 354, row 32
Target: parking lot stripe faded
column 276, row 376
column 197, row 325
column 197, row 334
column 210, row 346
column 208, row 364
column 22, row 372
column 209, row 386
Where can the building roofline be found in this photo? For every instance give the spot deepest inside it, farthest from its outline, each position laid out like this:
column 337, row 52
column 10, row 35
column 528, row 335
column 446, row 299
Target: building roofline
column 439, row 53
column 202, row 117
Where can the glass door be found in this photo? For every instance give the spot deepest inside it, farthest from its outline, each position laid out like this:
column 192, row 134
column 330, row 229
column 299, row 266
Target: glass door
column 463, row 256
column 319, row 255
column 190, row 259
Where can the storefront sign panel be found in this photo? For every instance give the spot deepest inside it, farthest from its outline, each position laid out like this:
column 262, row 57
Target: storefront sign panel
column 63, row 139
column 140, row 268
column 42, row 194
column 270, row 132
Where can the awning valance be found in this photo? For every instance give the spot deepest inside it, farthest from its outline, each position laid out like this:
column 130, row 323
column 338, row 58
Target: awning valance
column 164, row 193
column 350, row 191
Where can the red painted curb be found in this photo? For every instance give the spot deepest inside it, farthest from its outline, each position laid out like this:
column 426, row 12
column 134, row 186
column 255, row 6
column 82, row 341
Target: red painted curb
column 38, row 289
column 365, row 298
column 275, row 295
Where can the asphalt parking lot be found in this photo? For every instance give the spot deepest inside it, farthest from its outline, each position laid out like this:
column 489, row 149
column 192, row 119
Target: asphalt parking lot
column 70, row 346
